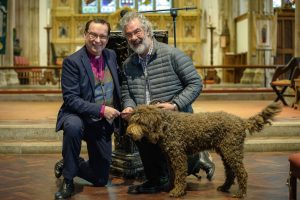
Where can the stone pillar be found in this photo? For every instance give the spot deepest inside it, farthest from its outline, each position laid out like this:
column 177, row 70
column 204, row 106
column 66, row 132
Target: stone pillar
column 9, row 77
column 263, row 54
column 8, row 56
column 27, row 26
column 297, row 29
column 44, row 21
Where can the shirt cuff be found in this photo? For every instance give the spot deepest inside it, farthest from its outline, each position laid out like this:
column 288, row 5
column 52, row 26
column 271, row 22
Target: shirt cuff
column 102, row 109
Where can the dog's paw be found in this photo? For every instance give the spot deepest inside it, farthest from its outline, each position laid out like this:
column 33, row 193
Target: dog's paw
column 176, row 193
column 239, row 195
column 222, row 188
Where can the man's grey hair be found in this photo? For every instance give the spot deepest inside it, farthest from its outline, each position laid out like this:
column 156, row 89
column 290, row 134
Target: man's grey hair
column 129, row 16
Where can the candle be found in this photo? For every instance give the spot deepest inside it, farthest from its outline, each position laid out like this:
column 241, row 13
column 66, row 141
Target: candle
column 48, row 17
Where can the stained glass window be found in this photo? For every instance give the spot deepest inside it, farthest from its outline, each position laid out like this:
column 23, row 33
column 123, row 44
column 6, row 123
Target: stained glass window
column 89, row 6
column 276, row 3
column 108, row 6
column 163, row 4
column 145, row 5
column 127, row 3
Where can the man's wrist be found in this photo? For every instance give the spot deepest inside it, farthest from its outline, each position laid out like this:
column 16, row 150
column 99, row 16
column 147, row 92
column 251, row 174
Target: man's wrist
column 175, row 107
column 102, row 109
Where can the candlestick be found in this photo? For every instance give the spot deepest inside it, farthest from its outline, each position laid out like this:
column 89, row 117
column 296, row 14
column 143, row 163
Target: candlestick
column 48, row 28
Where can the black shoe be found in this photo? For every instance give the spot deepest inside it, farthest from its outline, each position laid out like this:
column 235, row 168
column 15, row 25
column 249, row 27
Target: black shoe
column 207, row 165
column 59, row 166
column 66, row 190
column 150, row 187
column 194, row 165
column 210, row 170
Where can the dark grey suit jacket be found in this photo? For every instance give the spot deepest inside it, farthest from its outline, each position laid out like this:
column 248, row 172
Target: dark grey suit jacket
column 78, row 87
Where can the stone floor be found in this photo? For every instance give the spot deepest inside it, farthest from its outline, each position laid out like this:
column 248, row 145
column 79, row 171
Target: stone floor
column 31, row 177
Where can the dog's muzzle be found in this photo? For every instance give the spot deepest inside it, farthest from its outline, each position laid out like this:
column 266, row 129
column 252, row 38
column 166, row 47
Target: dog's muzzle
column 135, row 132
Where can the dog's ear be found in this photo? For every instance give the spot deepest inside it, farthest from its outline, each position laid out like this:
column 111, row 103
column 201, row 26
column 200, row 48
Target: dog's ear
column 147, row 115
column 150, row 118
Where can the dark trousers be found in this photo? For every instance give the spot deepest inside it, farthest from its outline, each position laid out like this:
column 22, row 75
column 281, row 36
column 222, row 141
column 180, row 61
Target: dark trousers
column 154, row 161
column 99, row 145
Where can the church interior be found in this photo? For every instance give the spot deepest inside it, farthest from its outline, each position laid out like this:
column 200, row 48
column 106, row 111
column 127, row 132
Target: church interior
column 247, row 53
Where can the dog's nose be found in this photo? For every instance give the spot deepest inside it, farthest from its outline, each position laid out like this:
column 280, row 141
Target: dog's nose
column 128, row 133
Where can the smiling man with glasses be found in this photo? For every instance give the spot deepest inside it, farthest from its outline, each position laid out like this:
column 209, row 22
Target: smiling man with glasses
column 90, row 111
column 94, row 36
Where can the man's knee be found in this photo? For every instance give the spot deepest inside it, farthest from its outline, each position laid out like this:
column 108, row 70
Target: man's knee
column 73, row 127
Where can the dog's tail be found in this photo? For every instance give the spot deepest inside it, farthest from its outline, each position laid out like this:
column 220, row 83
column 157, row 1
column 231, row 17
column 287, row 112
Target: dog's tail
column 257, row 122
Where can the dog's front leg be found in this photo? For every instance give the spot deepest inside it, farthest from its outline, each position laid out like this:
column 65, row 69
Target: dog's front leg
column 178, row 163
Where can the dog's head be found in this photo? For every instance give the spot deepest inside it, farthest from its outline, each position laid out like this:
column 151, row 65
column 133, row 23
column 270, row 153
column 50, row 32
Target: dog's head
column 145, row 121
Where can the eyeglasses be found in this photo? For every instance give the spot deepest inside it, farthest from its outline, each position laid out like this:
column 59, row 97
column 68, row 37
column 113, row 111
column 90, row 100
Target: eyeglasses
column 136, row 32
column 94, row 36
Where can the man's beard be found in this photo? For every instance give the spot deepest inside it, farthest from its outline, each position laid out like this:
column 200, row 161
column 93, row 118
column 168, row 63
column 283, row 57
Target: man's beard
column 141, row 47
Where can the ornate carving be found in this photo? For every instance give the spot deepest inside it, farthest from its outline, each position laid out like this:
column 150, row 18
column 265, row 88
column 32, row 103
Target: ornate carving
column 189, row 30
column 66, row 12
column 169, row 27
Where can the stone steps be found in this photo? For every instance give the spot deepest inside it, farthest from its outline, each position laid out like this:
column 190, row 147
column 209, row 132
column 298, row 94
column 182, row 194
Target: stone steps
column 30, row 147
column 207, row 94
column 265, row 144
column 42, row 138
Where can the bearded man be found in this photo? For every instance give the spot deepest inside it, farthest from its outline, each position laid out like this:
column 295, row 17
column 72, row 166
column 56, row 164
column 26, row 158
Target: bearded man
column 156, row 72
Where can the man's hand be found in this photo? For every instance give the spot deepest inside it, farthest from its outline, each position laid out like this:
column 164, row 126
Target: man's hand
column 167, row 106
column 126, row 113
column 110, row 113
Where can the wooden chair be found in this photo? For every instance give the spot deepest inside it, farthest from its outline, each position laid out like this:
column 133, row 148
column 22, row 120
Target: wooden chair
column 294, row 174
column 23, row 74
column 283, row 79
column 26, row 76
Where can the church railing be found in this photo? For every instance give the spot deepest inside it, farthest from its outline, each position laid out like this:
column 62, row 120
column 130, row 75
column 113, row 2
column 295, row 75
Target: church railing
column 216, row 78
column 30, row 79
column 236, row 77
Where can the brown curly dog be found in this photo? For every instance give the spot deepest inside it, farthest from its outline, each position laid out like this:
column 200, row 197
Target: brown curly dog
column 180, row 134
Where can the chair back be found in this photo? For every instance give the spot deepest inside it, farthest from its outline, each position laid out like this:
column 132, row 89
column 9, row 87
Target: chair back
column 296, row 72
column 20, row 61
column 288, row 71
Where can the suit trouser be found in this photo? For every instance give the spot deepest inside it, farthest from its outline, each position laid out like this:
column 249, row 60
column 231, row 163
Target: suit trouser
column 99, row 145
column 154, row 161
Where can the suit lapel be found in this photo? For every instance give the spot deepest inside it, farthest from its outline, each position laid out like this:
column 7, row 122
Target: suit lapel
column 88, row 68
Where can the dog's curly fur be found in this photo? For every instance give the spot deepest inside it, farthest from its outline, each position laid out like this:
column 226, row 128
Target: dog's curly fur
column 181, row 134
